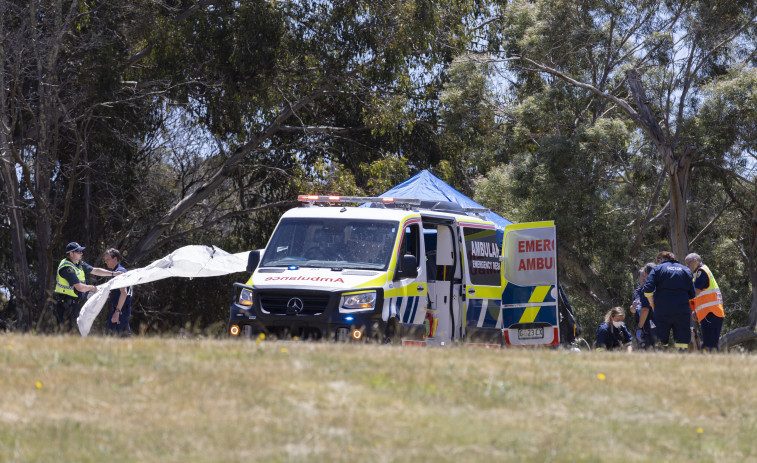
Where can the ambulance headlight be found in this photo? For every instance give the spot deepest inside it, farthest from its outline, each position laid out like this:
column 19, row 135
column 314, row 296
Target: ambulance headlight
column 358, row 301
column 245, row 298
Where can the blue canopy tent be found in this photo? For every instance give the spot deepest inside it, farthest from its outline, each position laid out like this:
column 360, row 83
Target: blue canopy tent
column 428, row 187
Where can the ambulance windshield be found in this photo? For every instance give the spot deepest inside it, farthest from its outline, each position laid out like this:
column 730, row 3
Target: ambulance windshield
column 331, row 243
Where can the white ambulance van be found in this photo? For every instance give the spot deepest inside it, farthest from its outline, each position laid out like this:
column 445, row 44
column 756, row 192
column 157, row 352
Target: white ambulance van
column 401, row 271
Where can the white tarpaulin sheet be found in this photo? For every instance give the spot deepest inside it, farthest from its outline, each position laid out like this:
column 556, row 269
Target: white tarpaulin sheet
column 188, row 262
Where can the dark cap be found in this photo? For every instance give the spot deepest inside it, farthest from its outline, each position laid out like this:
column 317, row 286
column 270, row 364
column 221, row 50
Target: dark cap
column 73, row 246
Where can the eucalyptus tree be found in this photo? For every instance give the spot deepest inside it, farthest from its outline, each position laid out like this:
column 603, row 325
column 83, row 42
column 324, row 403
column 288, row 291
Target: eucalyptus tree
column 56, row 76
column 729, row 111
column 471, row 129
column 95, row 93
column 646, row 59
column 290, row 84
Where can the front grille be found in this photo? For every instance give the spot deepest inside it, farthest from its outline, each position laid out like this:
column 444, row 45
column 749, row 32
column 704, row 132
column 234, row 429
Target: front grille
column 312, row 303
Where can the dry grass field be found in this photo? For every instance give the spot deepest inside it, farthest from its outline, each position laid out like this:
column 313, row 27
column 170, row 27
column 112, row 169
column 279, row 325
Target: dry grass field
column 69, row 399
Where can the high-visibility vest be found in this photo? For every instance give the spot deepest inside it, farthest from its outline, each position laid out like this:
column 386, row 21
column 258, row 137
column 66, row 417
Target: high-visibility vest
column 709, row 300
column 61, row 284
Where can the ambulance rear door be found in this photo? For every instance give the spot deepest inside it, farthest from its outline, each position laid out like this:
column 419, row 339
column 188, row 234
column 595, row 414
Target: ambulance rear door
column 529, row 285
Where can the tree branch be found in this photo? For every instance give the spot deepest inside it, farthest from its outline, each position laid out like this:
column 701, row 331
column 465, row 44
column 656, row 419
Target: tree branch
column 711, row 222
column 622, row 103
column 645, row 116
column 229, row 215
column 206, row 189
column 636, row 244
column 323, row 129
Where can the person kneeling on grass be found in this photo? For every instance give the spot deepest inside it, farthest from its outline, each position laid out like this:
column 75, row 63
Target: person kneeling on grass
column 612, row 333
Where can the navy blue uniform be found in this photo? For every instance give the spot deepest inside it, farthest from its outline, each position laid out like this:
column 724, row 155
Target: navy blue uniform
column 609, row 337
column 121, row 328
column 672, row 286
column 648, row 329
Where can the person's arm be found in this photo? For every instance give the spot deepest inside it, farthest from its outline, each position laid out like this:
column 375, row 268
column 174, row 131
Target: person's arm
column 646, row 308
column 643, row 317
column 604, row 340
column 701, row 282
column 119, row 305
column 649, row 287
column 68, row 274
column 101, row 272
column 85, row 288
column 625, row 334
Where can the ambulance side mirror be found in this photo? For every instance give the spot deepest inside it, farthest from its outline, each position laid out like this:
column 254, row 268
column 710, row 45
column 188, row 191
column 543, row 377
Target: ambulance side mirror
column 253, row 259
column 409, row 267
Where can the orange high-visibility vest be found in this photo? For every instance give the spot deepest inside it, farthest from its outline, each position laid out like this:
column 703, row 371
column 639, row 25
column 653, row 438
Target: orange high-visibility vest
column 709, row 300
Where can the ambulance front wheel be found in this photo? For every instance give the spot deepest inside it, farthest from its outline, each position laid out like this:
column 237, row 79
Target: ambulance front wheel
column 392, row 333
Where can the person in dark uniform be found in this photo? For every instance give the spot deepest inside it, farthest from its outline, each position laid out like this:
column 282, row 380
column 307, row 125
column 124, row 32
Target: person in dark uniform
column 643, row 316
column 70, row 285
column 119, row 299
column 612, row 333
column 669, row 288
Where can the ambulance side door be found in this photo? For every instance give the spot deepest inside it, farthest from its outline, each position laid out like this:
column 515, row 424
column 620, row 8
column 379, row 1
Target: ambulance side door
column 408, row 293
column 482, row 285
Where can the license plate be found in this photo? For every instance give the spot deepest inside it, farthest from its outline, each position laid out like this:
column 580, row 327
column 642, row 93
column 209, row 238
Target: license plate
column 531, row 333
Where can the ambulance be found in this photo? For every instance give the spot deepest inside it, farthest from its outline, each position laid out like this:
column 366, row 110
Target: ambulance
column 400, row 270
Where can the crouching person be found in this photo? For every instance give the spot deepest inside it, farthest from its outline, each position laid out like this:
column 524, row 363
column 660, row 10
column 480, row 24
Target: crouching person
column 612, row 334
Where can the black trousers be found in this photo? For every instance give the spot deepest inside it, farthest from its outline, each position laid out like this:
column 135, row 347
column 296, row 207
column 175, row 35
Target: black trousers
column 66, row 311
column 711, row 325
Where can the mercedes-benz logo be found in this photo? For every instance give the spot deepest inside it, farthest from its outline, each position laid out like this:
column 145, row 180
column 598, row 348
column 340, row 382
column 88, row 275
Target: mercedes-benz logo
column 295, row 304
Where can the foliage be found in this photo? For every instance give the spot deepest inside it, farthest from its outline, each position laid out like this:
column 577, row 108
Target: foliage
column 729, row 113
column 153, row 124
column 170, row 123
column 600, row 99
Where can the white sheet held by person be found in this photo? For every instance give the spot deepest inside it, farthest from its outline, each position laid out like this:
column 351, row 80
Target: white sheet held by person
column 188, row 262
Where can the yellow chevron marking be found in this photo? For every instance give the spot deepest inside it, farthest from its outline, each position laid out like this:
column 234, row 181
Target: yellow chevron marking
column 378, row 281
column 530, row 313
column 539, row 294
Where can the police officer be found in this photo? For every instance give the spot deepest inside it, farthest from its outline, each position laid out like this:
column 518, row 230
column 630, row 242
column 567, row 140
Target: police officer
column 708, row 303
column 70, row 285
column 119, row 299
column 668, row 288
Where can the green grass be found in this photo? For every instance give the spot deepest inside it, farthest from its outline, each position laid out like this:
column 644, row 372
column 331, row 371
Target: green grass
column 179, row 400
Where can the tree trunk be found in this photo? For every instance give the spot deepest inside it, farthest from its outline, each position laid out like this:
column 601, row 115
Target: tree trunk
column 679, row 184
column 678, row 170
column 15, row 205
column 18, row 245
